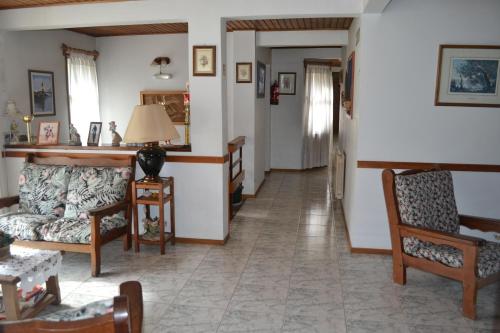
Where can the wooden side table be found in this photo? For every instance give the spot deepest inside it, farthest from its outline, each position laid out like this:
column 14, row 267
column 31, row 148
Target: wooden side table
column 158, row 198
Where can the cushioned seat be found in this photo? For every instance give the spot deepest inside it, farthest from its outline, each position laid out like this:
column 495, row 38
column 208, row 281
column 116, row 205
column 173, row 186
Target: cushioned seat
column 23, row 226
column 74, row 230
column 91, row 310
column 488, row 262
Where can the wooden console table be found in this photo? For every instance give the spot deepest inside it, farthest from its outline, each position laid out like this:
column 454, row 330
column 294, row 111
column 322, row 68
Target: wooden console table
column 158, row 198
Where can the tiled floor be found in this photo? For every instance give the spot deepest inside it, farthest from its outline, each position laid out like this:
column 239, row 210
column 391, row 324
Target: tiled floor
column 286, row 268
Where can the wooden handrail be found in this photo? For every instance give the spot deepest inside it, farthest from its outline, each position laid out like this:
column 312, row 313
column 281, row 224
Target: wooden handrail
column 67, row 50
column 235, row 144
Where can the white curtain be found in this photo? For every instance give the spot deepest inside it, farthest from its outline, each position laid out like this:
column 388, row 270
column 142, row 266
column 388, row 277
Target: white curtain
column 83, row 92
column 317, row 116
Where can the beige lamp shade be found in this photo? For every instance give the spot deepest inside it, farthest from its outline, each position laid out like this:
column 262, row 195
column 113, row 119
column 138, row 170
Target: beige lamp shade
column 150, row 123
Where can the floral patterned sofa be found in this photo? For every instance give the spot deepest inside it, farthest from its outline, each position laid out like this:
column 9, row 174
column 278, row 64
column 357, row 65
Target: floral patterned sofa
column 64, row 201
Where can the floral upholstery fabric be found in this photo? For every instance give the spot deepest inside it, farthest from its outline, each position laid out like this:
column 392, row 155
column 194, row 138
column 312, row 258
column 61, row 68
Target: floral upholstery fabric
column 23, row 226
column 43, row 189
column 488, row 259
column 94, row 187
column 427, row 200
column 91, row 310
column 74, row 230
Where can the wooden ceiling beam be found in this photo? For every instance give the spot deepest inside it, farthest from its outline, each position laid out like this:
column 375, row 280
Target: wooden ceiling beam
column 16, row 4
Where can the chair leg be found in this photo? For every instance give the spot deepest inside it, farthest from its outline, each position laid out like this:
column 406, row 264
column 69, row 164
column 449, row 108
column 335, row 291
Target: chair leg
column 398, row 271
column 469, row 300
column 127, row 240
column 95, row 261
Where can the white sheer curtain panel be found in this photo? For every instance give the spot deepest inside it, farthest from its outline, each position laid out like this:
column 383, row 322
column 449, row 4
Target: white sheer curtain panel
column 83, row 92
column 317, row 116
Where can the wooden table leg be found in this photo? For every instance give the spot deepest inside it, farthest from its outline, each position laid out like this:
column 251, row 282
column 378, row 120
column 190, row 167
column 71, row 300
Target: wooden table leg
column 135, row 217
column 53, row 288
column 11, row 301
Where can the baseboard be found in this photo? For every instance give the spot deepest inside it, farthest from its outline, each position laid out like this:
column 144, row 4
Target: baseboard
column 184, row 240
column 287, row 170
column 253, row 196
column 362, row 250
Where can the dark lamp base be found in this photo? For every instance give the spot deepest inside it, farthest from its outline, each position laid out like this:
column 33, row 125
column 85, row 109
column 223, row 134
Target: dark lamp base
column 151, row 159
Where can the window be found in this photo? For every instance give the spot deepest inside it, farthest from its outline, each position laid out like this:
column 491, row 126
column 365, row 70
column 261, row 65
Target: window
column 83, row 92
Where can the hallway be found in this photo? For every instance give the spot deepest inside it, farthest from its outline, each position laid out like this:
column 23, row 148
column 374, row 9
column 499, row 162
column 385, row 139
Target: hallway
column 286, row 268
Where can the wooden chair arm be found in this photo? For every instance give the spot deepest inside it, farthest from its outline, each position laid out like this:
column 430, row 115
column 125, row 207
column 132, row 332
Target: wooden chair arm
column 133, row 290
column 109, row 209
column 121, row 315
column 9, row 201
column 481, row 223
column 438, row 237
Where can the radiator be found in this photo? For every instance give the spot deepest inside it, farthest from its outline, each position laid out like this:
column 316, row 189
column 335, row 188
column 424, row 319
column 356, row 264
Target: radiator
column 339, row 174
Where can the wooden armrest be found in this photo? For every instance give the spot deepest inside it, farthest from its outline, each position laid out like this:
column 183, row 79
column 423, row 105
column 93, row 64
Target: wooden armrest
column 9, row 201
column 109, row 209
column 439, row 237
column 481, row 223
column 133, row 290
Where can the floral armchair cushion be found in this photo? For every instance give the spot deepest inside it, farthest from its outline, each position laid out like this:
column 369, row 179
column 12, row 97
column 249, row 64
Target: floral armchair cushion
column 74, row 230
column 94, row 187
column 43, row 189
column 23, row 226
column 91, row 310
column 488, row 262
column 427, row 200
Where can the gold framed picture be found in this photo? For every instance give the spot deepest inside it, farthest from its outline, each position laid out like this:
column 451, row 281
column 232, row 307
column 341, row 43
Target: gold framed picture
column 48, row 133
column 173, row 101
column 204, row 61
column 243, row 72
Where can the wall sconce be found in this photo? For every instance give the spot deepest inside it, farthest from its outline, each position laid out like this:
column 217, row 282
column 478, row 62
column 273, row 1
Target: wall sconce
column 162, row 62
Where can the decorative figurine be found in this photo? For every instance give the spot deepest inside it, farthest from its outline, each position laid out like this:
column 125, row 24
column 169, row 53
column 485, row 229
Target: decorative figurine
column 14, row 133
column 74, row 137
column 116, row 138
column 151, row 226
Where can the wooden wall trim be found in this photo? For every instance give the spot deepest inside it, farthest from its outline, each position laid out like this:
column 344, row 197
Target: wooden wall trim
column 423, row 165
column 171, row 159
column 202, row 240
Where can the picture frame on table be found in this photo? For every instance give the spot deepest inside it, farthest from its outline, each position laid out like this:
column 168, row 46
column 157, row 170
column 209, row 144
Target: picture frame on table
column 94, row 133
column 243, row 72
column 48, row 133
column 261, row 80
column 204, row 60
column 468, row 75
column 287, row 83
column 42, row 94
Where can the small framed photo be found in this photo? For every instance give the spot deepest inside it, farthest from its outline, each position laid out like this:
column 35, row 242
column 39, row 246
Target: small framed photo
column 467, row 75
column 94, row 133
column 287, row 83
column 204, row 60
column 243, row 72
column 42, row 98
column 48, row 133
column 261, row 80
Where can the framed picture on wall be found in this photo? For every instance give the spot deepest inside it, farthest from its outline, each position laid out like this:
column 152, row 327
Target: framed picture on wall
column 42, row 99
column 287, row 83
column 243, row 72
column 261, row 80
column 348, row 95
column 48, row 133
column 204, row 60
column 467, row 75
column 173, row 101
column 94, row 133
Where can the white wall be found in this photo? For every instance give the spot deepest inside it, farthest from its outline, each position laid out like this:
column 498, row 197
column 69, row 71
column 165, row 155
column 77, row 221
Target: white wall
column 40, row 50
column 4, row 121
column 397, row 117
column 124, row 70
column 309, row 38
column 286, row 118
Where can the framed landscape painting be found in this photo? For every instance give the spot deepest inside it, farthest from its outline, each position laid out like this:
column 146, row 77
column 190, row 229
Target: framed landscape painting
column 42, row 93
column 468, row 76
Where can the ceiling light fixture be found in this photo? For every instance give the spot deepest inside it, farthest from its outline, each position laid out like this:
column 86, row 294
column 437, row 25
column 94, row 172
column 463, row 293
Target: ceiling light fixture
column 162, row 62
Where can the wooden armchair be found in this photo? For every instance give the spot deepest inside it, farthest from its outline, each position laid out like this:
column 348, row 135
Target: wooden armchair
column 425, row 224
column 126, row 317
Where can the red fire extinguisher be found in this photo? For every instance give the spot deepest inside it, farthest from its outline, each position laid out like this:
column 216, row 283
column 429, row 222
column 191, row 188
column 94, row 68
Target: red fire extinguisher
column 275, row 93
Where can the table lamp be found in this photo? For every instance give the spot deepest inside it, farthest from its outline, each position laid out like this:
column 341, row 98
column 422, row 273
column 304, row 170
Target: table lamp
column 150, row 124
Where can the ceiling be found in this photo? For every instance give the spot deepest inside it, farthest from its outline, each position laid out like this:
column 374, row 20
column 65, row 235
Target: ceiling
column 313, row 23
column 138, row 29
column 11, row 4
